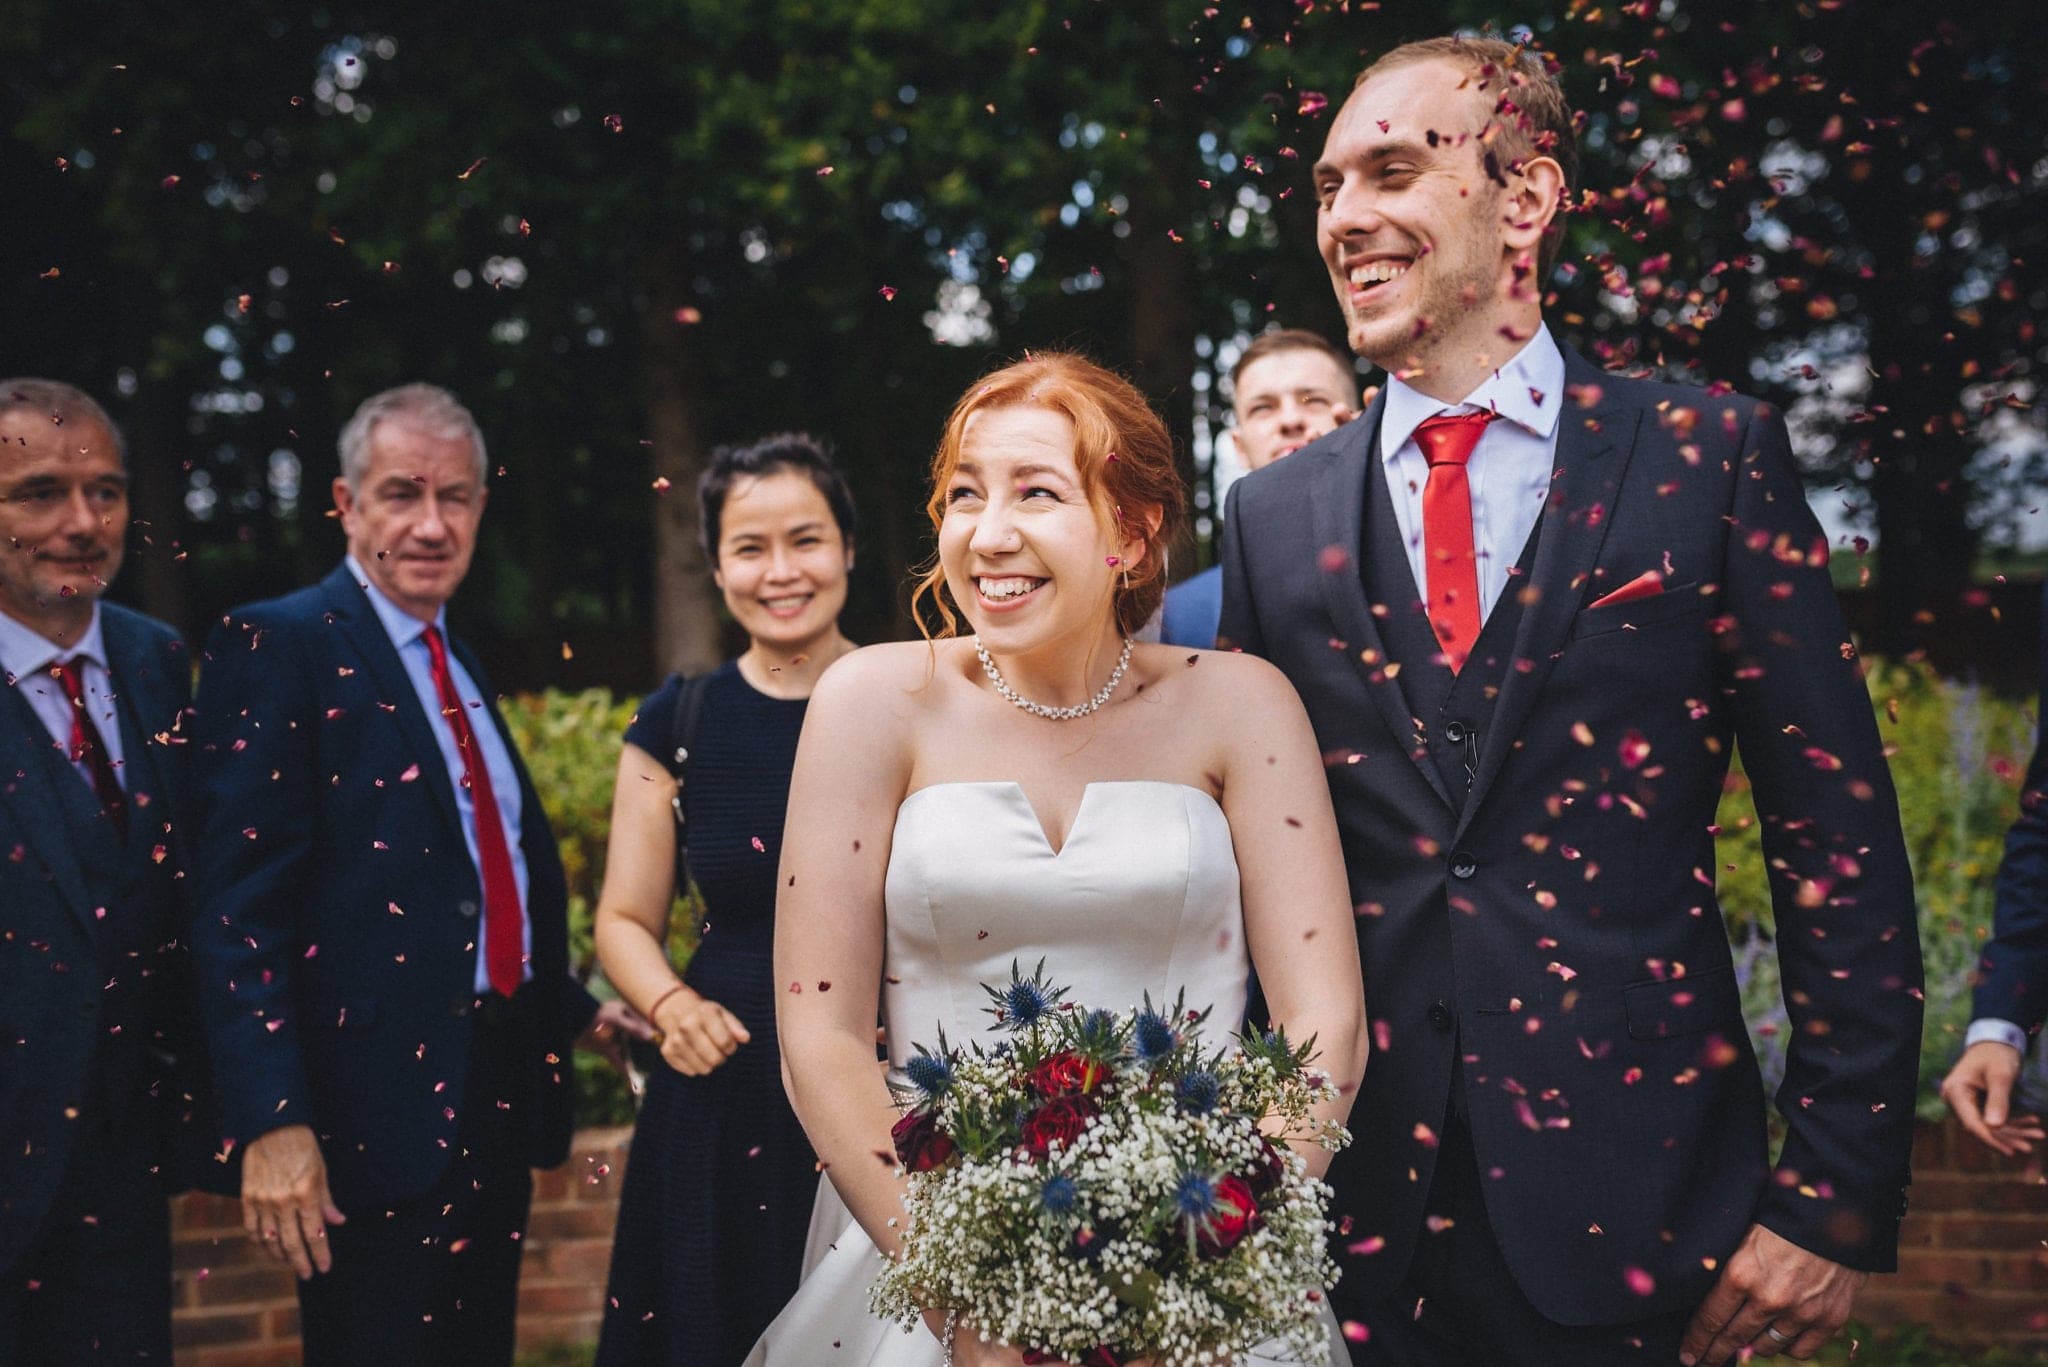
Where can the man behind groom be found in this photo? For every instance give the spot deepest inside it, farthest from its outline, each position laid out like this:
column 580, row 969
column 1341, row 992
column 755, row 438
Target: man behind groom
column 1533, row 608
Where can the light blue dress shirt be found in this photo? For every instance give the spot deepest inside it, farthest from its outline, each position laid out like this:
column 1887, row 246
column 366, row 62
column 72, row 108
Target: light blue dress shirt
column 26, row 656
column 409, row 637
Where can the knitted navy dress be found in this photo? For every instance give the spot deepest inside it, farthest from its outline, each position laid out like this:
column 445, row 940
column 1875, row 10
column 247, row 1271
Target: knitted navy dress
column 718, row 1189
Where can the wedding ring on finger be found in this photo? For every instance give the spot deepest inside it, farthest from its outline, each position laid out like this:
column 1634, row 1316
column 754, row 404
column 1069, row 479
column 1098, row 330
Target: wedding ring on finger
column 1780, row 1339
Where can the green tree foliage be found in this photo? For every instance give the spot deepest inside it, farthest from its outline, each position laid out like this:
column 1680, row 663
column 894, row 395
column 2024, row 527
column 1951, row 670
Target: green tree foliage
column 627, row 234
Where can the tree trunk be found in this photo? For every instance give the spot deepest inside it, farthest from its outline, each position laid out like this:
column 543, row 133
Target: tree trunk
column 685, row 601
column 1163, row 328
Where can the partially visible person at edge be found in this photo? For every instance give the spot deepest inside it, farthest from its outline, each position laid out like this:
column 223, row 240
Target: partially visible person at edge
column 2011, row 996
column 1289, row 387
column 1533, row 609
column 103, row 1104
column 719, row 1189
column 384, row 931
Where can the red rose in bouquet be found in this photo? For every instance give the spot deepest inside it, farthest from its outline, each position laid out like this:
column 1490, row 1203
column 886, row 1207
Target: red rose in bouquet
column 920, row 1146
column 1059, row 1121
column 1067, row 1074
column 1235, row 1213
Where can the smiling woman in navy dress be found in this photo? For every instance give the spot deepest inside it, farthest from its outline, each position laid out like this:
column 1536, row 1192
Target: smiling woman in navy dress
column 718, row 1190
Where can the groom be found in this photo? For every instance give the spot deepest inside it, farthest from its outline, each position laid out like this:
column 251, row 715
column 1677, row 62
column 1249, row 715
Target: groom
column 1533, row 610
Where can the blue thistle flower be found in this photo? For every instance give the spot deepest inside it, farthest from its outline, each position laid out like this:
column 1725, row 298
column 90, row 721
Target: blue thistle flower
column 1059, row 1195
column 1197, row 1092
column 1194, row 1196
column 1024, row 1002
column 1154, row 1038
column 932, row 1074
column 1098, row 1023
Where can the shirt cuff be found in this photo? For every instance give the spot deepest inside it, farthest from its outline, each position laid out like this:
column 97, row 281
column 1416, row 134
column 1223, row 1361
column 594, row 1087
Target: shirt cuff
column 1991, row 1028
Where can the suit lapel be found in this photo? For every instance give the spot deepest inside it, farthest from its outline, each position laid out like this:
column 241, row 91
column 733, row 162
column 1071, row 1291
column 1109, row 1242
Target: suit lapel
column 1339, row 521
column 358, row 623
column 28, row 791
column 1594, row 443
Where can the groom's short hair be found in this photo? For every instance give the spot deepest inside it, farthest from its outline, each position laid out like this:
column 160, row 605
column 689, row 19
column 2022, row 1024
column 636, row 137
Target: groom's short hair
column 1533, row 115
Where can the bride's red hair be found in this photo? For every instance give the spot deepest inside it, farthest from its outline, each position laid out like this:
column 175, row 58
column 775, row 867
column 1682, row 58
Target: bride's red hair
column 1121, row 448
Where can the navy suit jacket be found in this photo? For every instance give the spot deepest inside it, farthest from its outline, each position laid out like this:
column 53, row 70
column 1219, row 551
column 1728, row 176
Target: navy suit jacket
column 80, row 972
column 340, row 904
column 1193, row 607
column 2013, row 973
column 1557, row 926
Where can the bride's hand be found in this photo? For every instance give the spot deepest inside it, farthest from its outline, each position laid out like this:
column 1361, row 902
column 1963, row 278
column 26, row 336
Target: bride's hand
column 697, row 1034
column 968, row 1348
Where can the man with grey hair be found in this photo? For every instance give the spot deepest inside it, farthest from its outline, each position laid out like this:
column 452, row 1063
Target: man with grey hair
column 102, row 1099
column 385, row 938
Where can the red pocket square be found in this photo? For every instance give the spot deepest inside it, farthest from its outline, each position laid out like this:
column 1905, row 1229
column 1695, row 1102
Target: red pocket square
column 1648, row 584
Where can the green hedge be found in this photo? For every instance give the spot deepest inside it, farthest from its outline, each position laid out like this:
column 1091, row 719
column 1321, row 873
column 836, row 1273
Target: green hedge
column 1958, row 755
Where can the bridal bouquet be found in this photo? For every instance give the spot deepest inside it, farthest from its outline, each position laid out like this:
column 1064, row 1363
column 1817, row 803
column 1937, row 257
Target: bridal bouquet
column 1098, row 1187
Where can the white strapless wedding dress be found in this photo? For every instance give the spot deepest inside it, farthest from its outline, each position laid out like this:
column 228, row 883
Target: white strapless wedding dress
column 1143, row 897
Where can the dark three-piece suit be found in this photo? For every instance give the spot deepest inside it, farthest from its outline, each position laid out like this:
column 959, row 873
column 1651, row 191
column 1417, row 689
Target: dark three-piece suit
column 1562, row 1096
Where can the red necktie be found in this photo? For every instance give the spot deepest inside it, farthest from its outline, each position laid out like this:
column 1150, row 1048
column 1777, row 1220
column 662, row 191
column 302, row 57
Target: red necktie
column 504, row 922
column 86, row 747
column 1451, row 563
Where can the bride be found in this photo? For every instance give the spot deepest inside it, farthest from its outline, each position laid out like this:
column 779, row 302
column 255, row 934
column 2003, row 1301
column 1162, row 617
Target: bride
column 1143, row 818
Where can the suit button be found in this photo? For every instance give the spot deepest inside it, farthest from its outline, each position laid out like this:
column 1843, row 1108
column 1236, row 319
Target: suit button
column 1440, row 1017
column 1455, row 732
column 1463, row 865
column 459, row 1007
column 466, row 908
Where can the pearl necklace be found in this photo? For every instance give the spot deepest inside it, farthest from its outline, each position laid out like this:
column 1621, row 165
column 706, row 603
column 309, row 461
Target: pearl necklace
column 1039, row 709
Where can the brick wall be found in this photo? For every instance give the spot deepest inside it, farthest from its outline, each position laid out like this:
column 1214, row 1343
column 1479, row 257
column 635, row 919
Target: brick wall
column 1973, row 1263
column 1973, row 1256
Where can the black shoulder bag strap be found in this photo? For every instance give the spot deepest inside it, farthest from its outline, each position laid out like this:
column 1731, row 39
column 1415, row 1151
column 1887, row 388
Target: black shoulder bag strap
column 682, row 738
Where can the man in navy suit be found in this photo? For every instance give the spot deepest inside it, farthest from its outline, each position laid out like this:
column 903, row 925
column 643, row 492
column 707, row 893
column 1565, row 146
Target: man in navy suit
column 384, row 933
column 2011, row 998
column 102, row 1110
column 1532, row 609
column 1288, row 387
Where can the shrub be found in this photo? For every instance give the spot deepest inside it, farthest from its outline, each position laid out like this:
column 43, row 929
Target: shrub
column 1958, row 756
column 571, row 744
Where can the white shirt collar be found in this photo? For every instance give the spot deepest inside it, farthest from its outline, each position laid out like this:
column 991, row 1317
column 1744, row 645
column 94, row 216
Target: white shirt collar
column 24, row 650
column 401, row 626
column 1527, row 391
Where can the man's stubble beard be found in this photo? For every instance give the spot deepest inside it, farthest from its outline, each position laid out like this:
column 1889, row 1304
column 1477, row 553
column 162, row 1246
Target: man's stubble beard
column 1448, row 315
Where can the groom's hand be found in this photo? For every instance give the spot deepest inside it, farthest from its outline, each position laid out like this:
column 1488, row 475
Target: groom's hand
column 1773, row 1297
